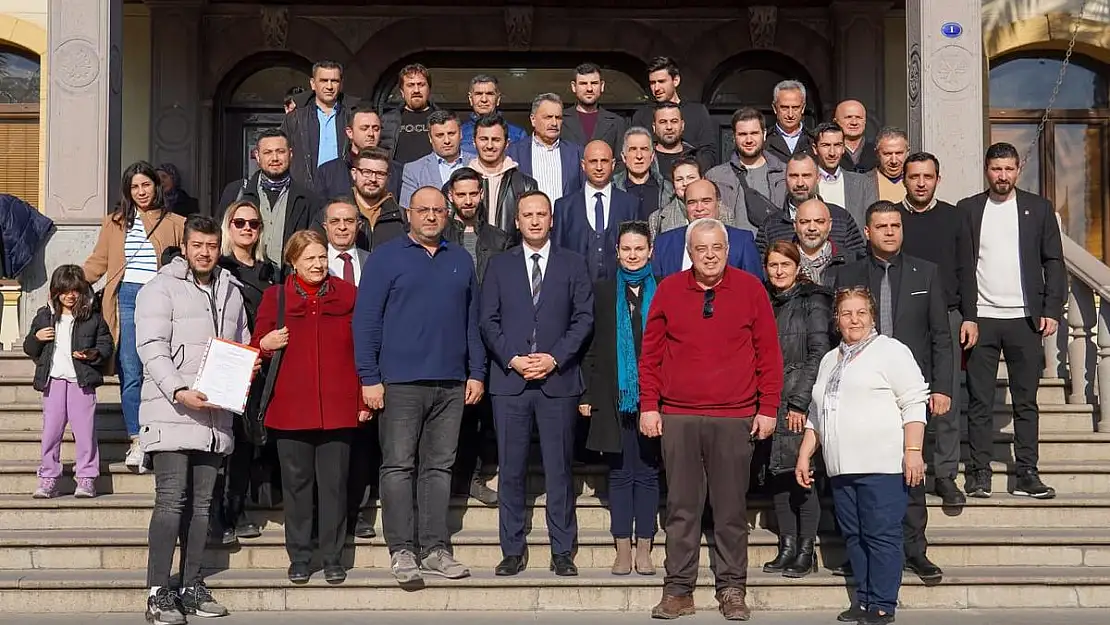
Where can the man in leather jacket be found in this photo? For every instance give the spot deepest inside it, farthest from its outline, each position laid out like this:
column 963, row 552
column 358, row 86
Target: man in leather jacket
column 502, row 181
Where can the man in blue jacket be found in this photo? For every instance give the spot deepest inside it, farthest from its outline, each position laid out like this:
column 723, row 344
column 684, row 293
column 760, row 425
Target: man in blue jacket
column 703, row 201
column 421, row 286
column 537, row 314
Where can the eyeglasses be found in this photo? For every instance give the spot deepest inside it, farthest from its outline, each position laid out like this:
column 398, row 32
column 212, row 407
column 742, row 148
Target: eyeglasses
column 240, row 224
column 438, row 211
column 707, row 304
column 372, row 173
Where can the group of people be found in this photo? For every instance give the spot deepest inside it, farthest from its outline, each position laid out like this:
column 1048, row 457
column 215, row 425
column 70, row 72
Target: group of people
column 794, row 319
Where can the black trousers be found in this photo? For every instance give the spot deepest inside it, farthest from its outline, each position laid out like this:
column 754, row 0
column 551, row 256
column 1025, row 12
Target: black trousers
column 365, row 462
column 477, row 445
column 314, row 462
column 1021, row 343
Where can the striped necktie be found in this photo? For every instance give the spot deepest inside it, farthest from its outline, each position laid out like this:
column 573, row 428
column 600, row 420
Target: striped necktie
column 537, row 282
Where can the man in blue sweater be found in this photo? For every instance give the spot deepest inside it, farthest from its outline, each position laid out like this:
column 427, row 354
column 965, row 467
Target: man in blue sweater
column 420, row 358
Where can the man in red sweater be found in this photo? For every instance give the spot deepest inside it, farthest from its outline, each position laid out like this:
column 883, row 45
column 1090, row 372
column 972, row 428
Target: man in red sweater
column 710, row 382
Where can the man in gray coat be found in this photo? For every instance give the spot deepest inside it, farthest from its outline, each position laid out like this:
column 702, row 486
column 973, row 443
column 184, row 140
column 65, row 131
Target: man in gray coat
column 190, row 301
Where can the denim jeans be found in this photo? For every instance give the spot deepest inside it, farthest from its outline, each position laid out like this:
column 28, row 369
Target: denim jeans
column 419, row 432
column 634, row 484
column 869, row 511
column 183, row 486
column 130, row 367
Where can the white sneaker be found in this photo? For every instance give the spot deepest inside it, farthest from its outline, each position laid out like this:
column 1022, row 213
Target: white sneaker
column 135, row 455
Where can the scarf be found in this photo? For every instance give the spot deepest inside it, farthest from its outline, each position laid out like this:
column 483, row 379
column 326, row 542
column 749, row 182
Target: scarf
column 848, row 353
column 274, row 185
column 628, row 379
column 814, row 268
column 174, row 194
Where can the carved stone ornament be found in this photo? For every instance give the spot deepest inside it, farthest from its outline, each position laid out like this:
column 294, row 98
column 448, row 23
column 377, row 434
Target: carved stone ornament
column 518, row 26
column 950, row 68
column 762, row 25
column 76, row 63
column 275, row 26
column 913, row 76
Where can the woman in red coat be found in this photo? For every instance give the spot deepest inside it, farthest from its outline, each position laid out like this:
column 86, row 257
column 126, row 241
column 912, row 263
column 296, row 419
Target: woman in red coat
column 316, row 401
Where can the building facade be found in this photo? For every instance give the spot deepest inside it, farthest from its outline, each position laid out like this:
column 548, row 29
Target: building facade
column 191, row 81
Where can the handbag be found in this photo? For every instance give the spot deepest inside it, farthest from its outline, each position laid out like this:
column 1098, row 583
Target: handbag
column 98, row 295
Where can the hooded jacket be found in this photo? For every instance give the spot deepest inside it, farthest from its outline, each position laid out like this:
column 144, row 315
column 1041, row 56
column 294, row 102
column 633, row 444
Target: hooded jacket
column 174, row 319
column 24, row 229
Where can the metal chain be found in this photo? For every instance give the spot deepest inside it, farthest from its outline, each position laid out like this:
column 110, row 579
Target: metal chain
column 1059, row 82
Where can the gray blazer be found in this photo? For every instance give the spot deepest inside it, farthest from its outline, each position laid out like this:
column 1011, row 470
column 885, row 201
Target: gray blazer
column 860, row 191
column 424, row 172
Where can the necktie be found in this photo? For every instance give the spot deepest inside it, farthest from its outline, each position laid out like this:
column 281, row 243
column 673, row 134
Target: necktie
column 886, row 307
column 599, row 214
column 537, row 282
column 348, row 267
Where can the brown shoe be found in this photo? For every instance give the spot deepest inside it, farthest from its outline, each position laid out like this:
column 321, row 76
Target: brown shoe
column 622, row 562
column 673, row 606
column 731, row 604
column 644, row 565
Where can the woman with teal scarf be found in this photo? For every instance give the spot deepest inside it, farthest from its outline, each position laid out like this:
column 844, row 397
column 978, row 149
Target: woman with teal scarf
column 612, row 400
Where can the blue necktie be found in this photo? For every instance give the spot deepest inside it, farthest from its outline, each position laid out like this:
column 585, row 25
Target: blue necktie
column 599, row 214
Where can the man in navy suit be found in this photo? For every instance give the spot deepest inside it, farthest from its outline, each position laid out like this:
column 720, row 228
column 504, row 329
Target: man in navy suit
column 587, row 220
column 553, row 162
column 536, row 316
column 703, row 200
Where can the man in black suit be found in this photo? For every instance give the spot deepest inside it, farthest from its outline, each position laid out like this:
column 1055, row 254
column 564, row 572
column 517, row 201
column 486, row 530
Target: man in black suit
column 536, row 316
column 789, row 135
column 912, row 310
column 1021, row 286
column 586, row 121
column 286, row 205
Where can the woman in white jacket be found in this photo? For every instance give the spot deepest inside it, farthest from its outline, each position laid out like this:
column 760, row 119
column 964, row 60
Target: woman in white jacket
column 868, row 416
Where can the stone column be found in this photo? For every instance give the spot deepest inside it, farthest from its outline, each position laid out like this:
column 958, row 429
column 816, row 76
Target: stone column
column 175, row 87
column 945, row 89
column 83, row 123
column 858, row 45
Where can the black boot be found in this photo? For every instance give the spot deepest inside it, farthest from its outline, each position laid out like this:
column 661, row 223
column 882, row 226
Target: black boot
column 805, row 563
column 788, row 551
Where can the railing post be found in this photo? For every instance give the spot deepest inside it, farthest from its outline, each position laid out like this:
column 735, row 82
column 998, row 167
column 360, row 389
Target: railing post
column 1081, row 319
column 1103, row 367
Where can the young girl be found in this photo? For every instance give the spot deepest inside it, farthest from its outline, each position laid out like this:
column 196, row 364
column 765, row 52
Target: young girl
column 69, row 343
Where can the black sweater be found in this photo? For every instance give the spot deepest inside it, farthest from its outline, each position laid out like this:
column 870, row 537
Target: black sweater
column 942, row 235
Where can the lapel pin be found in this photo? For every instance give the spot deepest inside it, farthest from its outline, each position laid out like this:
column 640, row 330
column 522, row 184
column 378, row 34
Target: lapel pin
column 1026, row 212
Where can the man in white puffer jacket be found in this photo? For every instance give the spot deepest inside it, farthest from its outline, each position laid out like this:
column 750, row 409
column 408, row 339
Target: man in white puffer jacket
column 190, row 301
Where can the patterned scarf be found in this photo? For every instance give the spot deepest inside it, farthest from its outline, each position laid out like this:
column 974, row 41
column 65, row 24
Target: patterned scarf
column 814, row 268
column 628, row 376
column 274, row 185
column 848, row 353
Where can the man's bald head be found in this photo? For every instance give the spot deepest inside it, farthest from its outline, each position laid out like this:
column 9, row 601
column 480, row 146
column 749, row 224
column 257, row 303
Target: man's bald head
column 812, row 225
column 597, row 162
column 852, row 117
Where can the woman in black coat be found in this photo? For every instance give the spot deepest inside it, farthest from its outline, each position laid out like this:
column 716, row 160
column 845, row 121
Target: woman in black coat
column 243, row 256
column 612, row 399
column 803, row 312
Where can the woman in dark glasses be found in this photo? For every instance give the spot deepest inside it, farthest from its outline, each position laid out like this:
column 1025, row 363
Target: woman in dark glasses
column 243, row 255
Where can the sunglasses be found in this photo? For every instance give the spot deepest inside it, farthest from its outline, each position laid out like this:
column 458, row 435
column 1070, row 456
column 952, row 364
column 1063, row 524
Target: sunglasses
column 240, row 224
column 707, row 304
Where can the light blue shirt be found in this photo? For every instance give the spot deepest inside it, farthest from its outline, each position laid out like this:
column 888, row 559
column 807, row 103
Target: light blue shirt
column 329, row 140
column 446, row 169
column 791, row 139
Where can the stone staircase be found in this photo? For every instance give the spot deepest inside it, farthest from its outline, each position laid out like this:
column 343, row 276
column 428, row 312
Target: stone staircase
column 65, row 554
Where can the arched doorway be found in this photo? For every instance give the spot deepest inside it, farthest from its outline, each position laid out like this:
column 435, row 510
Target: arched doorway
column 249, row 100
column 521, row 77
column 20, row 72
column 1067, row 163
column 749, row 79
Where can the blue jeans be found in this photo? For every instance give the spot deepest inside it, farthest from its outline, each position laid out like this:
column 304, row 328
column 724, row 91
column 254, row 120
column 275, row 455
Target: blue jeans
column 130, row 368
column 869, row 510
column 633, row 484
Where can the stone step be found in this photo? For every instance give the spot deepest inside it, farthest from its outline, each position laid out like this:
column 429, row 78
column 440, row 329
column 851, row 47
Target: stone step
column 984, row 587
column 20, row 476
column 1050, row 391
column 479, row 549
column 15, row 364
column 27, row 417
column 19, row 390
column 132, row 511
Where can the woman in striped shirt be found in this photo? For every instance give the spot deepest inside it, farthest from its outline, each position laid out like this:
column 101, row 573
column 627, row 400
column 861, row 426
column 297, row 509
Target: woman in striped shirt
column 128, row 253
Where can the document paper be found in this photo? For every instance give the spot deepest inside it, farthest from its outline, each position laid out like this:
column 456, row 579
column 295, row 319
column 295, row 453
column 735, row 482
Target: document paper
column 225, row 374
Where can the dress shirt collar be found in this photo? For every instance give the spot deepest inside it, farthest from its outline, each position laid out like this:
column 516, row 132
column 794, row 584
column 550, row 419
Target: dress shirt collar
column 931, row 206
column 606, row 193
column 536, row 143
column 333, row 253
column 544, row 252
column 893, row 261
column 791, row 135
column 830, row 177
column 692, row 282
column 445, row 163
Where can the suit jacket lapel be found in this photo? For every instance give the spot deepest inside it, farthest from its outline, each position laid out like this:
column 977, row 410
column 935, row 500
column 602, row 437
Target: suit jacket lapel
column 977, row 212
column 604, row 121
column 546, row 280
column 905, row 286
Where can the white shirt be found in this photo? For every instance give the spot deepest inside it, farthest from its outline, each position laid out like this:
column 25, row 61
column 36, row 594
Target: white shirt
column 881, row 390
column 547, row 168
column 998, row 270
column 335, row 264
column 591, row 201
column 62, row 364
column 139, row 256
column 544, row 252
column 832, row 190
